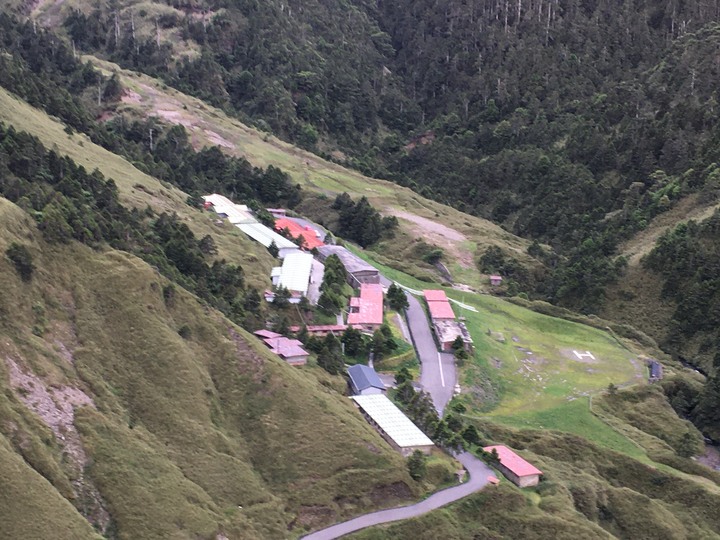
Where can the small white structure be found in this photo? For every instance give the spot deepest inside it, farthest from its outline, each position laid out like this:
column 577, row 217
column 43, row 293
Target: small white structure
column 294, row 274
column 393, row 425
column 234, row 213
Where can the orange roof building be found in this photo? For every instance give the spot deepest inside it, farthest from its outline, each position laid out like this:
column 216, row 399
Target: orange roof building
column 516, row 469
column 296, row 230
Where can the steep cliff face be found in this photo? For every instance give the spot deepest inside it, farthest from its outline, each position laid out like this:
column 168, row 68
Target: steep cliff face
column 108, row 413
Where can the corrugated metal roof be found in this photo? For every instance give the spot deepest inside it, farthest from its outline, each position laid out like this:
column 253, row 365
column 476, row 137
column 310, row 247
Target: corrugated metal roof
column 441, row 310
column 217, row 200
column 364, row 377
column 370, row 305
column 295, row 271
column 266, row 334
column 513, row 462
column 351, row 262
column 262, row 234
column 285, row 347
column 392, row 421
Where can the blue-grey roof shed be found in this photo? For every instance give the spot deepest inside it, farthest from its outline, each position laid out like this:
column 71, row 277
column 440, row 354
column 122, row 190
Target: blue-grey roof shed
column 364, row 380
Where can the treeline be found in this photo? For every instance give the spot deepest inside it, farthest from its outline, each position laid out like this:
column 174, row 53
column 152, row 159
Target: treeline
column 688, row 258
column 70, row 203
column 361, row 222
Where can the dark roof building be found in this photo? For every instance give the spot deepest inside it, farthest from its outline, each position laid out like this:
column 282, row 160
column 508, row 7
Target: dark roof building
column 358, row 271
column 364, row 380
column 655, row 370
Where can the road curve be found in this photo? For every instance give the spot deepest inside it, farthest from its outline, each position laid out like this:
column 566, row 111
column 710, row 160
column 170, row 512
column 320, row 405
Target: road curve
column 478, row 471
column 437, row 372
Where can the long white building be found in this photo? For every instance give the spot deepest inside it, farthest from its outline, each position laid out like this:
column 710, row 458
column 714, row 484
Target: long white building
column 242, row 217
column 393, row 425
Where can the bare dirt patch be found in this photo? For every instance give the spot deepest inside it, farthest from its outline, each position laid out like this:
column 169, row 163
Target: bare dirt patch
column 55, row 405
column 383, row 495
column 175, row 117
column 130, row 96
column 436, row 233
column 312, row 517
column 216, row 139
column 430, row 227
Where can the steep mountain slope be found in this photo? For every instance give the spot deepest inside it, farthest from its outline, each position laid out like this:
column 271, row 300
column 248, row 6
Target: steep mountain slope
column 149, row 433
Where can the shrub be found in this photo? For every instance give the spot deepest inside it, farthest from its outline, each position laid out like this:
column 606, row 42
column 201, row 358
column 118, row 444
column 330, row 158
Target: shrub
column 22, row 259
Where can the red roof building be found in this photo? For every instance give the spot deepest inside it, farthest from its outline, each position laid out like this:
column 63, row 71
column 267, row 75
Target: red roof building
column 296, row 230
column 435, row 295
column 366, row 311
column 515, row 468
column 288, row 349
column 441, row 311
column 439, row 305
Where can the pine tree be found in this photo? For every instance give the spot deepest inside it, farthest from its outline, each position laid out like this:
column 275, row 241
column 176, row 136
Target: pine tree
column 396, row 298
column 273, row 249
column 417, row 466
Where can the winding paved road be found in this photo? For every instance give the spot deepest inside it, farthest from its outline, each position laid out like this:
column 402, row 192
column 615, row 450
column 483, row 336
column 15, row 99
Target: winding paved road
column 437, row 372
column 479, row 473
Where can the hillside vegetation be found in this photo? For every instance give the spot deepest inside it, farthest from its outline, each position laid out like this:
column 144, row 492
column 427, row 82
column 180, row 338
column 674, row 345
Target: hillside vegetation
column 191, row 436
column 571, row 123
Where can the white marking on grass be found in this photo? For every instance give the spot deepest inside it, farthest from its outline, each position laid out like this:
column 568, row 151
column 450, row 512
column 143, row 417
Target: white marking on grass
column 586, row 354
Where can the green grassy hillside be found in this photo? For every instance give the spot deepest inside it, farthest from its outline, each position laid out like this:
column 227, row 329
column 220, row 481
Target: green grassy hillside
column 587, row 491
column 137, row 189
column 170, row 436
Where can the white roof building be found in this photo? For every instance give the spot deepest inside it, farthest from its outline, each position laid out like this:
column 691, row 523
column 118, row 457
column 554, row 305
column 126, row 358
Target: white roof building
column 295, row 272
column 392, row 424
column 266, row 236
column 234, row 213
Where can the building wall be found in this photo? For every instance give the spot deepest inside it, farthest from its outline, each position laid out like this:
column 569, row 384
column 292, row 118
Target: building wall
column 407, row 451
column 363, row 276
column 531, row 480
column 520, row 481
column 297, row 360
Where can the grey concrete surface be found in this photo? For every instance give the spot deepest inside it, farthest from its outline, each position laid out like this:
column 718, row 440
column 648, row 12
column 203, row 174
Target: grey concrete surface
column 479, row 473
column 316, row 278
column 437, row 371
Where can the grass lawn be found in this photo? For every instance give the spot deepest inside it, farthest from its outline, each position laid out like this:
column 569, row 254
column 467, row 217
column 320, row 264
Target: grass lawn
column 575, row 417
column 547, row 389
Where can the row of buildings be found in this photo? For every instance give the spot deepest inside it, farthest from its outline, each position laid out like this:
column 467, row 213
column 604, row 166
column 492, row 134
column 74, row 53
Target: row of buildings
column 447, row 328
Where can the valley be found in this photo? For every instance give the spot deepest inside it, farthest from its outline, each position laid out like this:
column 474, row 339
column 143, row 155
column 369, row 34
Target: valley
column 137, row 400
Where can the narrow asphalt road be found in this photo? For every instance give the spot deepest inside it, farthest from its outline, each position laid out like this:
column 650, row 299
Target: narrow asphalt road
column 437, row 374
column 479, row 473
